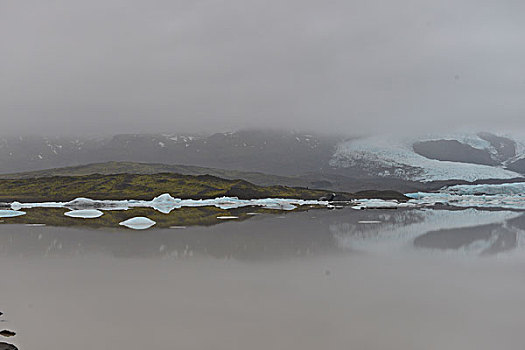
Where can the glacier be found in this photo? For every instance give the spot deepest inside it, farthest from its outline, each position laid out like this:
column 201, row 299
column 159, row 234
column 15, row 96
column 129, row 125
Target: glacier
column 394, row 156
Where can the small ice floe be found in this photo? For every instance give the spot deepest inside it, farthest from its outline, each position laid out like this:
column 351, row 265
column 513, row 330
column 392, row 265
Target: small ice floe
column 178, row 227
column 369, row 222
column 138, row 223
column 35, row 225
column 227, row 217
column 84, row 213
column 88, row 203
column 18, row 205
column 11, row 213
column 380, row 204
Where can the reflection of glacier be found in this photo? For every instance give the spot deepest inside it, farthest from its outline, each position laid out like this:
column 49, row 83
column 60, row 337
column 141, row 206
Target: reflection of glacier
column 399, row 230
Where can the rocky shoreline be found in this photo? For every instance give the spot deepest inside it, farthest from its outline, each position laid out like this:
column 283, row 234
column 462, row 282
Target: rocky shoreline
column 5, row 333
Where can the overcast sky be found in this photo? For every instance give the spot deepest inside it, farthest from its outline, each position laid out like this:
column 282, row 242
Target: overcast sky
column 354, row 66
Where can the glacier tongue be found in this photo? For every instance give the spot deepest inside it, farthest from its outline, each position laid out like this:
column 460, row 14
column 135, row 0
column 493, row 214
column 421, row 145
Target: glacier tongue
column 395, row 157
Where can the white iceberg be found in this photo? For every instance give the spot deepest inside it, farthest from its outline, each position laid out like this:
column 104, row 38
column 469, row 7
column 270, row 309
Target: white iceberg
column 381, row 204
column 80, row 203
column 11, row 213
column 84, row 213
column 165, row 203
column 138, row 223
column 225, row 217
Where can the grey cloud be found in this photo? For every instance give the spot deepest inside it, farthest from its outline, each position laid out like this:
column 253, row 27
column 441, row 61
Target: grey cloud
column 105, row 66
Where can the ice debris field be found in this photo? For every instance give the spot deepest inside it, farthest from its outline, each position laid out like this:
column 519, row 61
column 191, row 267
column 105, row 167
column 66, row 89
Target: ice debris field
column 509, row 196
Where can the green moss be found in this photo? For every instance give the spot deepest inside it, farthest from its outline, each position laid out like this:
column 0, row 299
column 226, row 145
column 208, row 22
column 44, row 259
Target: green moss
column 141, row 186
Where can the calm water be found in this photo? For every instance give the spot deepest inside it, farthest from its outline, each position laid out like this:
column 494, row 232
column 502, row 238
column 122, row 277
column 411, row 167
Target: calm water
column 341, row 279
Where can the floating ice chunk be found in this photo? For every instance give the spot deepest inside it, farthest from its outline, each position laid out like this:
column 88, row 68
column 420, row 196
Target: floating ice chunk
column 165, row 198
column 81, row 202
column 18, row 205
column 35, row 225
column 138, row 223
column 100, row 204
column 369, row 222
column 11, row 213
column 227, row 217
column 84, row 214
column 165, row 203
column 517, row 188
column 277, row 203
column 380, row 204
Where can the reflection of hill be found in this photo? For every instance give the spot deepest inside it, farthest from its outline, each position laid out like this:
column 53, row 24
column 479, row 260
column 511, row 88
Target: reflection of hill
column 487, row 239
column 186, row 216
column 262, row 237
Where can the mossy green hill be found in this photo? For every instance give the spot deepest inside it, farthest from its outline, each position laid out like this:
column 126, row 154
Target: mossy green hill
column 148, row 186
column 141, row 186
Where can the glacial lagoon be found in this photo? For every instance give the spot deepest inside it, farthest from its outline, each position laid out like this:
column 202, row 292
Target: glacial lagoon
column 313, row 278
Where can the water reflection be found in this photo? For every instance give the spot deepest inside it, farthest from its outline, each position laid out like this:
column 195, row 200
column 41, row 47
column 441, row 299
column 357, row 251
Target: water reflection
column 269, row 237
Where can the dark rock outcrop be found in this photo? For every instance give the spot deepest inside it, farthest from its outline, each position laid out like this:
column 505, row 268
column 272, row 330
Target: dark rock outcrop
column 6, row 346
column 453, row 151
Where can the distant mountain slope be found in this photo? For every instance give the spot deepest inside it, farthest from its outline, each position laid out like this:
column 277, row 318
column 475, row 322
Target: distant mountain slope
column 111, row 168
column 271, row 152
column 278, row 157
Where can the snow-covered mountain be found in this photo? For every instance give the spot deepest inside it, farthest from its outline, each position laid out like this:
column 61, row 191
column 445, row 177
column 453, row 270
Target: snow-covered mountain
column 465, row 156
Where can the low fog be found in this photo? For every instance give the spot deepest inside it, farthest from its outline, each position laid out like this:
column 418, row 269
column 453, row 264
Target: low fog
column 119, row 66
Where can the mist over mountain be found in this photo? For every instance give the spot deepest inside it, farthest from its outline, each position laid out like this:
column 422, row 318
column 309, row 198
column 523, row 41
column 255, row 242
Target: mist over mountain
column 282, row 153
column 283, row 157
